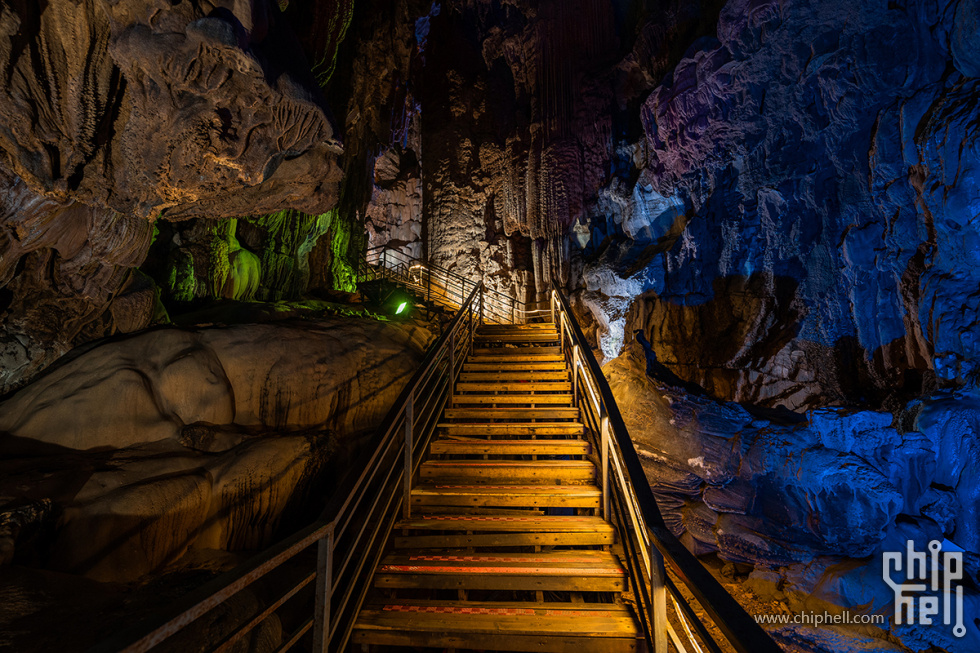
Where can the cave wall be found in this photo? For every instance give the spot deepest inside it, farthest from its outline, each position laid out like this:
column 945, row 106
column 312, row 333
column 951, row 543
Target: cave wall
column 801, row 230
column 117, row 118
column 181, row 109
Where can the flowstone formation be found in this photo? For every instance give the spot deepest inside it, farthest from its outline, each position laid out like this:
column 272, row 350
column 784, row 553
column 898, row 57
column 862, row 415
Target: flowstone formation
column 67, row 276
column 183, row 109
column 117, row 117
column 526, row 106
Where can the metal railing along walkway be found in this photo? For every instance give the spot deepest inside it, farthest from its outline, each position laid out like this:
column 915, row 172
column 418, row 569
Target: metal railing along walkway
column 338, row 554
column 438, row 285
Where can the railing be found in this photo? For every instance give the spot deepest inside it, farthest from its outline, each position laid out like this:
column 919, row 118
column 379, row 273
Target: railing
column 441, row 286
column 628, row 502
column 348, row 540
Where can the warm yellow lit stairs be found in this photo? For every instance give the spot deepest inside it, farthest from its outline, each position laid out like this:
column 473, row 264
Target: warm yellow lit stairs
column 504, row 550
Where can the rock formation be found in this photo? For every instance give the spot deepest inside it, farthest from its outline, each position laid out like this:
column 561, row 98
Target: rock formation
column 153, row 108
column 803, row 213
column 811, row 505
column 67, row 276
column 202, row 438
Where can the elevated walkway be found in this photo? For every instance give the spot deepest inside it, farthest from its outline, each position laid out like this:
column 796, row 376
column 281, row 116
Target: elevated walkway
column 501, row 547
column 501, row 506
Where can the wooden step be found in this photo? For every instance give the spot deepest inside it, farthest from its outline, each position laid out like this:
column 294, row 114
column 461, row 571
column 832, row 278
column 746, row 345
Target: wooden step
column 517, row 351
column 506, row 360
column 508, row 471
column 510, row 447
column 517, row 337
column 529, row 386
column 514, row 428
column 522, row 327
column 531, row 376
column 558, row 571
column 527, row 399
column 499, row 626
column 487, row 414
column 458, row 531
column 527, row 496
column 543, row 366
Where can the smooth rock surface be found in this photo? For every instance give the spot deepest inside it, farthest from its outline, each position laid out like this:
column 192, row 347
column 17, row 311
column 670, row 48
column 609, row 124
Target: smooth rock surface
column 176, row 439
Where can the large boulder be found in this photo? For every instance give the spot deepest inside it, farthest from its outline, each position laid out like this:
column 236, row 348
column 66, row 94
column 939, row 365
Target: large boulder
column 176, row 439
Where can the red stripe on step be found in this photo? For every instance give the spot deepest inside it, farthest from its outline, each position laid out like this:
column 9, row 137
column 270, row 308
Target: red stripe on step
column 541, row 571
column 457, row 518
column 492, row 558
column 502, row 487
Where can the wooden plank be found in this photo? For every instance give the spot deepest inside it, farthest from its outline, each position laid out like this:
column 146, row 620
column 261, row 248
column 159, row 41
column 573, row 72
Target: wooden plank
column 507, row 361
column 549, row 562
column 529, row 376
column 514, row 428
column 525, row 386
column 511, row 413
column 479, row 523
column 511, row 447
column 539, row 608
column 514, row 338
column 516, row 471
column 527, row 326
column 545, row 643
column 536, row 399
column 516, row 351
column 551, row 496
column 504, row 540
column 532, row 580
column 514, row 367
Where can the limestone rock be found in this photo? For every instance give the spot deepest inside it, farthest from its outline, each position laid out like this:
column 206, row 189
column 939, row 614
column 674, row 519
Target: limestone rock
column 770, row 493
column 150, row 108
column 335, row 374
column 66, row 278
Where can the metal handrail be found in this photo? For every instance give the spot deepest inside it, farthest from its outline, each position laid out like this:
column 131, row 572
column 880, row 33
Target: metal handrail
column 437, row 284
column 352, row 532
column 628, row 502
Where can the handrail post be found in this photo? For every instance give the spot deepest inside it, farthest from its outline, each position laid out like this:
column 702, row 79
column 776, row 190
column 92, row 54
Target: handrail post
column 658, row 601
column 575, row 377
column 561, row 331
column 604, row 460
column 452, row 367
column 409, row 419
column 324, row 589
column 513, row 311
column 552, row 306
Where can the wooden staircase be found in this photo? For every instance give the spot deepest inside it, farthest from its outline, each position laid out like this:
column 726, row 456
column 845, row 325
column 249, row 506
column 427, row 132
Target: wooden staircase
column 502, row 548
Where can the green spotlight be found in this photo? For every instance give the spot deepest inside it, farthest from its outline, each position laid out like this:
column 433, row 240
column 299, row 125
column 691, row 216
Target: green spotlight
column 401, row 307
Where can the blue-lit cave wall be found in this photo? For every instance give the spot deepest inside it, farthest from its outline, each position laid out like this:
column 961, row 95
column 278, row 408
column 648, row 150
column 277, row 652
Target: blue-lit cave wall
column 802, row 228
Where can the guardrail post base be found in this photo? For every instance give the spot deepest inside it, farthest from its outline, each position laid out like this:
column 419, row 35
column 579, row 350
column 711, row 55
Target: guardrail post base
column 409, row 420
column 324, row 588
column 658, row 606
